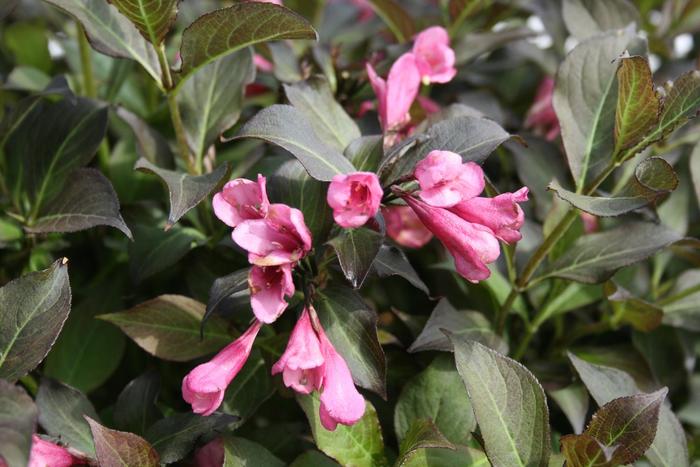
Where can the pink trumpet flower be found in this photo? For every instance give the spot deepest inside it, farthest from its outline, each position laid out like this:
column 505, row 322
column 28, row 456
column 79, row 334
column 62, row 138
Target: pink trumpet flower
column 445, row 181
column 354, row 198
column 501, row 214
column 404, row 227
column 47, row 454
column 241, row 200
column 396, row 95
column 435, row 58
column 269, row 285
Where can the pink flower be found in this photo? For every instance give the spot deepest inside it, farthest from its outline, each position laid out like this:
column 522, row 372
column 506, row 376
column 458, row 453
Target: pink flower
column 428, row 105
column 47, row 454
column 541, row 117
column 210, row 455
column 396, row 94
column 340, row 400
column 590, row 222
column 501, row 214
column 262, row 64
column 473, row 246
column 354, row 198
column 434, row 57
column 268, row 287
column 404, row 227
column 445, row 181
column 302, row 363
column 204, row 386
column 240, row 200
column 281, row 237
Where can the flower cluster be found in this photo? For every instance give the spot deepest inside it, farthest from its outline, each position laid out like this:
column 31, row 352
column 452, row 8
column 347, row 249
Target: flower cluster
column 275, row 237
column 469, row 226
column 430, row 61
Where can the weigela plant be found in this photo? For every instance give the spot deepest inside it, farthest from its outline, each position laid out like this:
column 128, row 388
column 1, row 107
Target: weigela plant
column 349, row 232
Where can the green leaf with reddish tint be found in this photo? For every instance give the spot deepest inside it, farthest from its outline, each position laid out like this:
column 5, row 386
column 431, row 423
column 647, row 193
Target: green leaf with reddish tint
column 509, row 404
column 422, row 434
column 168, row 327
column 118, row 448
column 682, row 102
column 34, row 308
column 227, row 30
column 585, row 451
column 640, row 314
column 153, row 18
column 394, row 15
column 638, row 104
column 356, row 250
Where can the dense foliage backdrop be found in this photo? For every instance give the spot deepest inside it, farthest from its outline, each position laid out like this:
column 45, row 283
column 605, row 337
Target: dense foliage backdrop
column 365, row 232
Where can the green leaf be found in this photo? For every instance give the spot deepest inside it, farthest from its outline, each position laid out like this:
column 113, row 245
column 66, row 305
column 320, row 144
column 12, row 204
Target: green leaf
column 352, row 328
column 463, row 455
column 288, row 128
column 329, row 120
column 469, row 324
column 227, row 30
column 585, row 18
column 423, row 434
column 625, row 426
column 391, row 261
column 695, row 169
column 88, row 350
column 226, row 289
column 356, row 250
column 314, row 459
column 473, row 138
column 682, row 102
column 135, row 409
column 509, row 405
column 471, row 46
column 365, row 152
column 154, row 250
column 153, row 18
column 682, row 308
column 628, row 309
column 638, row 104
column 18, row 416
column 654, row 178
column 87, row 200
column 360, row 445
column 211, row 101
column 54, row 139
column 240, row 452
column 573, row 401
column 118, row 448
column 584, row 99
column 292, row 185
column 436, row 394
column 595, row 258
column 606, row 383
column 150, row 144
column 175, row 436
column 398, row 20
column 34, row 308
column 61, row 413
column 168, row 328
column 252, row 386
column 111, row 33
column 186, row 191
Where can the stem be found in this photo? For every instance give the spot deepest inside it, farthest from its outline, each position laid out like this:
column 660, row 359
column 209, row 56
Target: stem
column 502, row 312
column 178, row 126
column 670, row 299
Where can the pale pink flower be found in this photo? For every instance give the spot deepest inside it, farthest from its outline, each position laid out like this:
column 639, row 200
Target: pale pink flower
column 210, row 455
column 204, row 387
column 396, row 94
column 541, row 117
column 445, row 181
column 268, row 287
column 281, row 237
column 473, row 246
column 404, row 227
column 435, row 58
column 501, row 214
column 241, row 200
column 262, row 64
column 340, row 400
column 47, row 454
column 354, row 198
column 302, row 363
column 590, row 222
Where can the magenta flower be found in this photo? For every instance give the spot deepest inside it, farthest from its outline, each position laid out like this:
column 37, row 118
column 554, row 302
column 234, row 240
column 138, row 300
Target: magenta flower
column 541, row 117
column 281, row 237
column 396, row 94
column 302, row 363
column 445, row 181
column 340, row 400
column 435, row 58
column 47, row 454
column 354, row 198
column 203, row 387
column 268, row 287
column 501, row 214
column 404, row 227
column 241, row 200
column 473, row 246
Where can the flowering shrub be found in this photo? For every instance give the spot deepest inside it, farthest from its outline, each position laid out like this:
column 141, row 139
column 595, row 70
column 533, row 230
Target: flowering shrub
column 355, row 232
